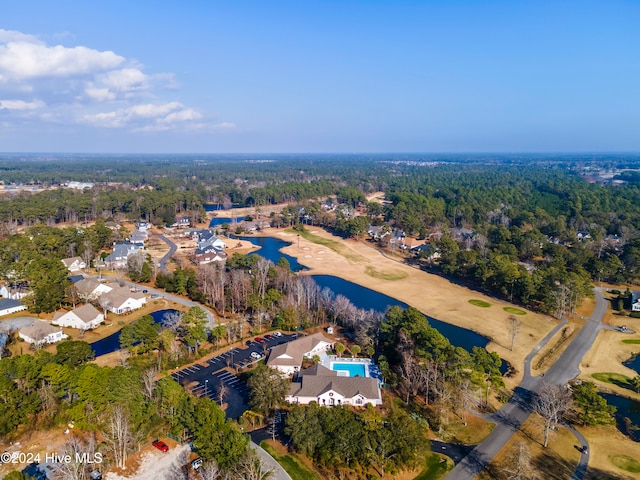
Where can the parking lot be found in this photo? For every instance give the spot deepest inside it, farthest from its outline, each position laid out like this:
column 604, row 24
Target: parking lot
column 207, row 380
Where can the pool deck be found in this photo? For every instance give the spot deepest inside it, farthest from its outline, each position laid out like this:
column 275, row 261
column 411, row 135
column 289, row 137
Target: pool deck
column 371, row 369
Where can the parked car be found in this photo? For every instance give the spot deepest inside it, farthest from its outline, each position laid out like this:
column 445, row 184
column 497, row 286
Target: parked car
column 259, row 339
column 197, row 463
column 248, row 343
column 277, row 334
column 268, row 337
column 160, row 445
column 145, row 291
column 255, row 355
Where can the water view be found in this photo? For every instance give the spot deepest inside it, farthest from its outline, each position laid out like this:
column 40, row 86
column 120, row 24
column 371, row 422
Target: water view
column 626, row 409
column 270, row 249
column 633, row 363
column 363, row 297
column 112, row 342
column 367, row 299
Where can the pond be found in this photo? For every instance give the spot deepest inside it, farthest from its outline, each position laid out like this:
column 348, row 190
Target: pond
column 626, row 409
column 112, row 342
column 217, row 221
column 367, row 299
column 212, row 207
column 633, row 363
column 270, row 249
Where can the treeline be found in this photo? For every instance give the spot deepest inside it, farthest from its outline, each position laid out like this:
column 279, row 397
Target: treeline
column 35, row 257
column 115, row 410
column 340, row 438
column 251, row 287
column 159, row 205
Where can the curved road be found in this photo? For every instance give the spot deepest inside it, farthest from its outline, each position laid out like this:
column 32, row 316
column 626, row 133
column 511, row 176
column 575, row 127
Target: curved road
column 162, row 264
column 513, row 414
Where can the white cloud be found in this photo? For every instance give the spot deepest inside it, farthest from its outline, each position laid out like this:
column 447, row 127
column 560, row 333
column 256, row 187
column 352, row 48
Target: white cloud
column 146, row 117
column 20, row 105
column 78, row 84
column 29, row 58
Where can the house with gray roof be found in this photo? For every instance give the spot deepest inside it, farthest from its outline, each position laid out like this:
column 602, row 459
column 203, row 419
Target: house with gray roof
column 74, row 264
column 9, row 306
column 90, row 289
column 207, row 239
column 327, row 388
column 287, row 358
column 39, row 333
column 122, row 300
column 85, row 317
column 121, row 252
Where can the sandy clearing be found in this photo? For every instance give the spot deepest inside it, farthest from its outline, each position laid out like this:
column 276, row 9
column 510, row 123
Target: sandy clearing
column 155, row 465
column 437, row 297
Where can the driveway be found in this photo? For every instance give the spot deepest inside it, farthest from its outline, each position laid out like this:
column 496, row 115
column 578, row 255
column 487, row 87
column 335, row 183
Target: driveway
column 513, row 414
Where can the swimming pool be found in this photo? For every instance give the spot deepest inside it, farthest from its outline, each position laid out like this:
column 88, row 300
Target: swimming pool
column 353, row 369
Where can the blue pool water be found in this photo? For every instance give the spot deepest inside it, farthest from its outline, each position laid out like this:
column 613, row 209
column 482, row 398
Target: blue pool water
column 354, row 369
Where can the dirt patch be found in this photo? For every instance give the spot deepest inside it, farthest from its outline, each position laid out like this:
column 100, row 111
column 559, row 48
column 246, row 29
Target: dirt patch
column 152, row 464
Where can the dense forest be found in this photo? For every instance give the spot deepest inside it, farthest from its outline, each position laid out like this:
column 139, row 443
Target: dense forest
column 529, row 229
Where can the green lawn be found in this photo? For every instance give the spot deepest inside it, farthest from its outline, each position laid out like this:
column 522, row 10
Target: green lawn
column 436, row 468
column 614, row 378
column 514, row 310
column 632, row 341
column 626, row 463
column 372, row 272
column 479, row 303
column 292, row 464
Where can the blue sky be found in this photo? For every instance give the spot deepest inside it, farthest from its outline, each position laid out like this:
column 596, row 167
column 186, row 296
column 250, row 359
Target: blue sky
column 319, row 76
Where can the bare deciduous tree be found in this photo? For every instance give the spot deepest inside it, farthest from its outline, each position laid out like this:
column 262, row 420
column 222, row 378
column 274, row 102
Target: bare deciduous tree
column 551, row 404
column 149, row 381
column 210, row 471
column 118, row 435
column 513, row 327
column 519, row 464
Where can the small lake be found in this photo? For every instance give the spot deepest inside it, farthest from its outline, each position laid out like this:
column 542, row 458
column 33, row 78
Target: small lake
column 368, row 299
column 212, row 207
column 270, row 249
column 217, row 221
column 633, row 363
column 626, row 408
column 112, row 342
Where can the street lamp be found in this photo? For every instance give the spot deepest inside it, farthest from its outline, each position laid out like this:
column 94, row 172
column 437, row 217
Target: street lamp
column 206, row 388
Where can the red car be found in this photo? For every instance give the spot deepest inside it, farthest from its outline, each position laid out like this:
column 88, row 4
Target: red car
column 160, row 445
column 268, row 337
column 259, row 339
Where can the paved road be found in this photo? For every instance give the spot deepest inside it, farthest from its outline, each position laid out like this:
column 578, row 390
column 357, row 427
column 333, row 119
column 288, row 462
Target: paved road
column 162, row 264
column 278, row 473
column 513, row 414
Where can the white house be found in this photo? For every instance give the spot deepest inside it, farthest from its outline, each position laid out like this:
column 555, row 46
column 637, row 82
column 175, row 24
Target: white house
column 635, row 302
column 9, row 306
column 209, row 255
column 40, row 332
column 327, row 388
column 74, row 264
column 287, row 358
column 90, row 289
column 121, row 301
column 15, row 290
column 207, row 239
column 85, row 317
column 122, row 251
